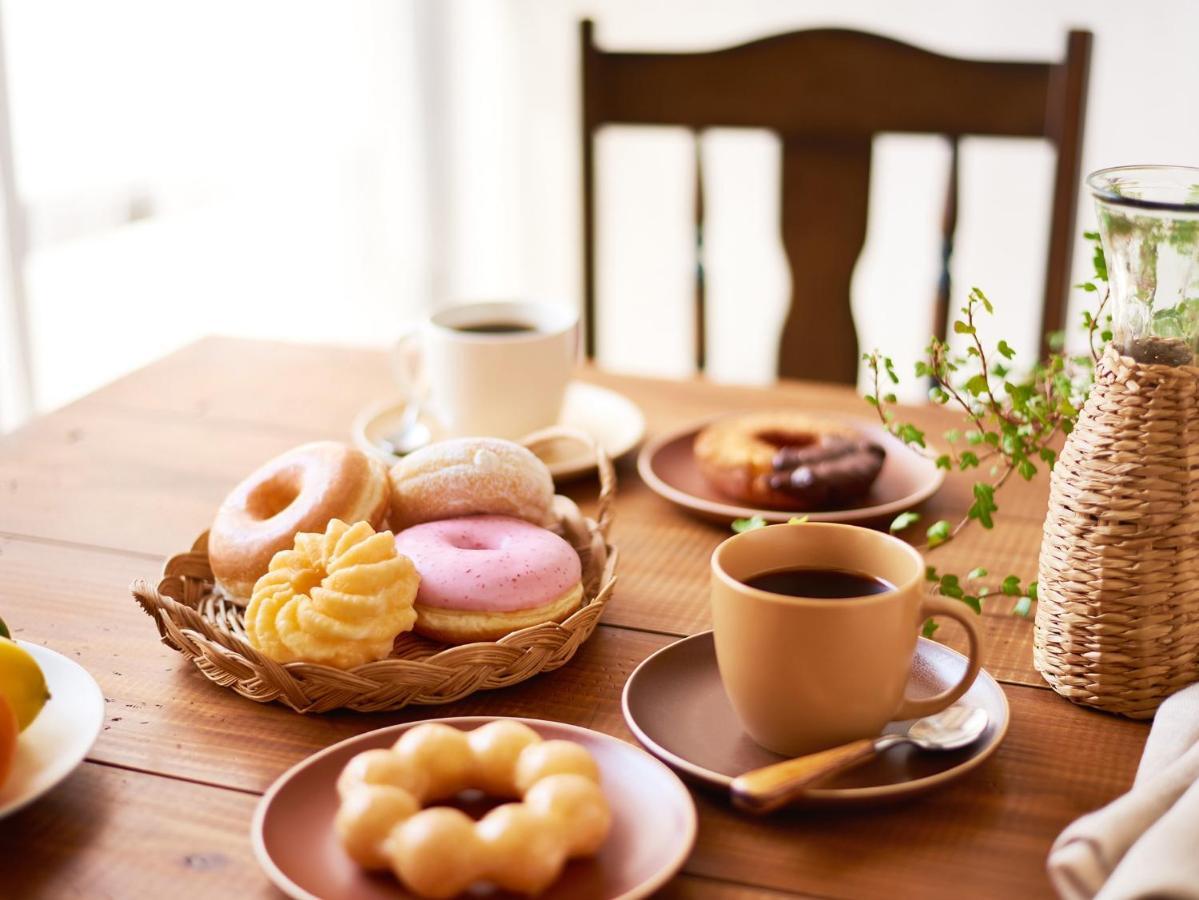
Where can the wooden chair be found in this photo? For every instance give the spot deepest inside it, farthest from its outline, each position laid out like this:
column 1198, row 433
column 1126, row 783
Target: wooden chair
column 827, row 93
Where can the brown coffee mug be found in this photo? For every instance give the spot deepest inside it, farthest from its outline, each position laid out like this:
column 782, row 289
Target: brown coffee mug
column 804, row 674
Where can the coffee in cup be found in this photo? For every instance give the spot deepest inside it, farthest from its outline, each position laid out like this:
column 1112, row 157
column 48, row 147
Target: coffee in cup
column 491, row 369
column 815, row 630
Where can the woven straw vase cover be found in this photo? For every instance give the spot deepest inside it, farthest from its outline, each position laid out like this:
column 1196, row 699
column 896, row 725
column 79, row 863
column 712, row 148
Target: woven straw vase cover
column 1117, row 624
column 207, row 629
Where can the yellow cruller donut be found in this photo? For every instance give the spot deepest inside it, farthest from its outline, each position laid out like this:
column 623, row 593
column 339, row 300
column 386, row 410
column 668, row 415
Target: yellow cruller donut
column 440, row 851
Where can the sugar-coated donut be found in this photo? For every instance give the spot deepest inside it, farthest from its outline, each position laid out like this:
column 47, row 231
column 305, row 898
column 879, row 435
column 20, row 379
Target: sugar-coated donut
column 440, row 852
column 483, row 577
column 299, row 491
column 468, row 477
column 787, row 460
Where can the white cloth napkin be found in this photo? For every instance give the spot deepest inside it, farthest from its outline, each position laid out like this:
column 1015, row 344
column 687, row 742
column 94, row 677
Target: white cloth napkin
column 1145, row 843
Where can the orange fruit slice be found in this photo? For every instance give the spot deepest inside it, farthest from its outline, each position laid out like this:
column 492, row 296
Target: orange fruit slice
column 9, row 730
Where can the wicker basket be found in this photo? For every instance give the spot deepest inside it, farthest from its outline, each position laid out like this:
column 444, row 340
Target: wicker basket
column 207, row 629
column 1117, row 623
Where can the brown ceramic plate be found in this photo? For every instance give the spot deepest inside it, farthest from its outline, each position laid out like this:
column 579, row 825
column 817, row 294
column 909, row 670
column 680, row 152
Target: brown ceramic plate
column 676, row 706
column 668, row 466
column 653, row 824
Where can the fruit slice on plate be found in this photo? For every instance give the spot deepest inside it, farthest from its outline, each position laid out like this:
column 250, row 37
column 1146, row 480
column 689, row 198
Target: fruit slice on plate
column 9, row 731
column 21, row 682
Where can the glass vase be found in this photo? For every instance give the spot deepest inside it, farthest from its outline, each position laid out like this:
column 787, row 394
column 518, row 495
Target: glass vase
column 1149, row 226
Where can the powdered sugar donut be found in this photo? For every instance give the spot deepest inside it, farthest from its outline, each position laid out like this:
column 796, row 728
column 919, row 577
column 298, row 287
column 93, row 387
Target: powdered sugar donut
column 470, row 477
column 485, row 576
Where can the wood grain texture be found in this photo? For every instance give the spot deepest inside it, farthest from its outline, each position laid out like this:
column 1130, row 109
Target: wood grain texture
column 135, row 472
column 165, row 719
column 106, row 832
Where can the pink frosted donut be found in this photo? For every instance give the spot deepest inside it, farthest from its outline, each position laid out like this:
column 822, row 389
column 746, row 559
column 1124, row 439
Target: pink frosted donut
column 482, row 577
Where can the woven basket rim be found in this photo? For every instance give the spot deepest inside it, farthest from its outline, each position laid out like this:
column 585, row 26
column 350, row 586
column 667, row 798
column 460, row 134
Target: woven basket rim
column 197, row 626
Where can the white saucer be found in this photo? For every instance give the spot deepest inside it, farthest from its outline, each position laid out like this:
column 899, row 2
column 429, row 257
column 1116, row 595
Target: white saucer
column 612, row 419
column 62, row 734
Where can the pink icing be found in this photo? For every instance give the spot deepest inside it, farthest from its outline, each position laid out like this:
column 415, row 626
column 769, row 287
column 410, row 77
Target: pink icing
column 492, row 563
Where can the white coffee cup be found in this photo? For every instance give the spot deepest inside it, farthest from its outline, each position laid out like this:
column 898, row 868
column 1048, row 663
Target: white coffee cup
column 491, row 369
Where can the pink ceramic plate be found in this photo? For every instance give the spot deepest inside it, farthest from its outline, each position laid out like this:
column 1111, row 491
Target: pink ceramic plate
column 653, row 824
column 668, row 466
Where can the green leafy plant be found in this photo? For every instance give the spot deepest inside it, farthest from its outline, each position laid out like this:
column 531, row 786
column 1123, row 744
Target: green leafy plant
column 1012, row 420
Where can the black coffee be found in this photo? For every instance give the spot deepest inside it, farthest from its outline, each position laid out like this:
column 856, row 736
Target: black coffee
column 822, row 584
column 496, row 328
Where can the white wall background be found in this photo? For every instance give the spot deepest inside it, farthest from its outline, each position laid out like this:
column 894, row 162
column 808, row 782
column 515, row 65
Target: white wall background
column 314, row 171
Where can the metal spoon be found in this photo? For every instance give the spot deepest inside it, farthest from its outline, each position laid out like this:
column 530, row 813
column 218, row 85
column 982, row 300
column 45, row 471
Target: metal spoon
column 771, row 787
column 410, row 434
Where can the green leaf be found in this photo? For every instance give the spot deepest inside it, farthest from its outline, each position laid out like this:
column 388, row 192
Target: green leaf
column 1005, row 350
column 797, row 520
column 740, row 525
column 1011, row 586
column 903, row 520
column 1049, row 456
column 1026, row 469
column 977, row 294
column 871, row 399
column 929, row 629
column 938, row 533
column 950, row 587
column 943, row 462
column 977, row 384
column 977, row 573
column 930, row 574
column 1023, row 607
column 974, row 438
column 975, row 603
column 960, row 327
column 889, row 398
column 1031, row 590
column 967, row 460
column 953, row 435
column 983, row 505
column 910, row 434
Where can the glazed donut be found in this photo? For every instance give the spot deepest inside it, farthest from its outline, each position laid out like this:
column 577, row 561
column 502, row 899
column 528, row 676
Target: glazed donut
column 440, row 851
column 300, row 491
column 483, row 577
column 467, row 477
column 786, row 460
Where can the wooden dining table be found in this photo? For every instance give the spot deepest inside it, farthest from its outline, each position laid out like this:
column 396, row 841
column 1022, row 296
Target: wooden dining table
column 100, row 492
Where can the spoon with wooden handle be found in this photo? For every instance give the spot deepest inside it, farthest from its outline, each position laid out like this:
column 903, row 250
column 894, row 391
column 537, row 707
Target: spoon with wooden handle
column 771, row 787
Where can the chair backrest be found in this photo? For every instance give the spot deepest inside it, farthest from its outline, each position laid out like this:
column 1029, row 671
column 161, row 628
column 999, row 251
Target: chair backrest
column 826, row 93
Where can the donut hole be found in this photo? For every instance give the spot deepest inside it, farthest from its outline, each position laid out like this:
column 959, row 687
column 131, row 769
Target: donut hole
column 466, row 542
column 273, row 496
column 780, row 439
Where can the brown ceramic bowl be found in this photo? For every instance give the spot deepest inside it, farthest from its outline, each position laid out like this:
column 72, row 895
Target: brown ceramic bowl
column 662, row 697
column 667, row 465
column 653, row 825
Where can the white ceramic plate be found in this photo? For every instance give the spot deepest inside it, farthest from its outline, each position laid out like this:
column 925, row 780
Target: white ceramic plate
column 62, row 734
column 611, row 419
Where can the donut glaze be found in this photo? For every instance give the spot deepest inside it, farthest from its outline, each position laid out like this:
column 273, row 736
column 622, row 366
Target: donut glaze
column 489, row 564
column 299, row 491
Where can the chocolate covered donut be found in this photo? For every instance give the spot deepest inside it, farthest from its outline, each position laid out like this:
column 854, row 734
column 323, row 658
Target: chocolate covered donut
column 787, row 460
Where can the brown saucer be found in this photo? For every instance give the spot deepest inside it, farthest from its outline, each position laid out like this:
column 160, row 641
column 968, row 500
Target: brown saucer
column 653, row 825
column 676, row 706
column 667, row 465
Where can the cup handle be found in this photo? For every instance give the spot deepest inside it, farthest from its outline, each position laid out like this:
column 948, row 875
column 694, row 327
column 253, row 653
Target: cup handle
column 926, row 706
column 407, row 363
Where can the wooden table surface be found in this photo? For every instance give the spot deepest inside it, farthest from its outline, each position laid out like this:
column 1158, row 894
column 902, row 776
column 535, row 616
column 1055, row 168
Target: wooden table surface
column 98, row 493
